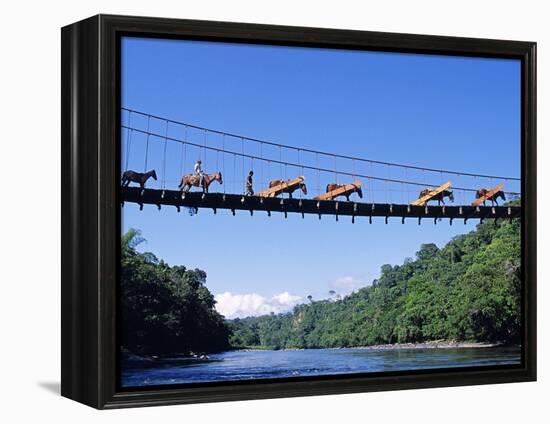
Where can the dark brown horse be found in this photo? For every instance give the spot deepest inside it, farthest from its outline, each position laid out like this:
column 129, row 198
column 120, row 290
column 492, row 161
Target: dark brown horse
column 137, row 177
column 356, row 189
column 494, row 198
column 290, row 189
column 192, row 180
column 439, row 196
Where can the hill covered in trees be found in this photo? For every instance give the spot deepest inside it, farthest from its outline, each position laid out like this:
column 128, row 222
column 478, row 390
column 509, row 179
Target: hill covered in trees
column 468, row 290
column 166, row 310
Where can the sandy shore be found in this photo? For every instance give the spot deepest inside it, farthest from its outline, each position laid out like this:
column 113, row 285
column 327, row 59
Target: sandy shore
column 436, row 344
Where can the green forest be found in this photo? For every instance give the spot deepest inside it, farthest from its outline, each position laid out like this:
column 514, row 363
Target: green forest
column 469, row 290
column 166, row 309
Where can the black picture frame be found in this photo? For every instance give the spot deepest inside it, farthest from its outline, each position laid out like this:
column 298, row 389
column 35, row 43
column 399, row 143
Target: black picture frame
column 91, row 207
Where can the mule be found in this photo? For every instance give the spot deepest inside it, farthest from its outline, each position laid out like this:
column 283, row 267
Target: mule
column 290, row 189
column 439, row 196
column 356, row 189
column 494, row 198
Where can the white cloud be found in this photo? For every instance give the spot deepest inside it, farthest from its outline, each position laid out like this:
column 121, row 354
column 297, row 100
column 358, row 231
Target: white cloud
column 346, row 284
column 246, row 305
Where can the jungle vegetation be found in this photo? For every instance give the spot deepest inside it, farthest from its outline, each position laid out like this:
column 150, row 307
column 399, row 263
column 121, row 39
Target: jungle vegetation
column 468, row 290
column 166, row 309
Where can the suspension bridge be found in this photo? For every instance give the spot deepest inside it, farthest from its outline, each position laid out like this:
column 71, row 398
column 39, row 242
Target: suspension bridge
column 289, row 179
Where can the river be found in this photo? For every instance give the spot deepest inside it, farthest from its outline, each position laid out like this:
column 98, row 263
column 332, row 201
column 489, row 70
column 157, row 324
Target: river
column 246, row 365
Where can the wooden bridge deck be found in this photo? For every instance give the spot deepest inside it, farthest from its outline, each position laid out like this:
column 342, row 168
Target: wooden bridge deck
column 236, row 202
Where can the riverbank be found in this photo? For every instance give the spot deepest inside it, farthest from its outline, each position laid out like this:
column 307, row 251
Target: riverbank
column 435, row 344
column 129, row 357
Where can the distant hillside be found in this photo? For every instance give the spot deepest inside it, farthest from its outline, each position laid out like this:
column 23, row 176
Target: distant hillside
column 468, row 290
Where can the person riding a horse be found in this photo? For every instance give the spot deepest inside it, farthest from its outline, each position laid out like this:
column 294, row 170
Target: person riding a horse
column 199, row 172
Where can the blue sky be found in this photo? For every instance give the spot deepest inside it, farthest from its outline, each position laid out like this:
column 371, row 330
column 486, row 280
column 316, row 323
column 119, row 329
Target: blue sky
column 434, row 111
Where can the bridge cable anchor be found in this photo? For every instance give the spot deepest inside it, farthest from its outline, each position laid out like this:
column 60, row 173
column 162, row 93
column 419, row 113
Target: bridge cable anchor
column 460, row 210
column 162, row 194
column 493, row 211
column 443, row 210
column 391, row 208
column 408, row 208
column 426, row 209
column 242, row 199
column 183, row 195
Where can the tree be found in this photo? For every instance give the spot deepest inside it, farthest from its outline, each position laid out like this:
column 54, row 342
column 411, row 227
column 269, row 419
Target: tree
column 164, row 309
column 427, row 251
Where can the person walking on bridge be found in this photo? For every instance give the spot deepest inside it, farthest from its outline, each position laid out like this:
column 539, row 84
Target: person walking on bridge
column 249, row 184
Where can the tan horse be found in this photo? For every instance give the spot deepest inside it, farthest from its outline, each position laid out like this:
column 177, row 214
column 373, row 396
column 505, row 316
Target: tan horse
column 494, row 198
column 290, row 189
column 192, row 180
column 356, row 189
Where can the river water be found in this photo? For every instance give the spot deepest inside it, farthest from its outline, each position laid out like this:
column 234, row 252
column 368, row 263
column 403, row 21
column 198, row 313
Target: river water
column 246, row 365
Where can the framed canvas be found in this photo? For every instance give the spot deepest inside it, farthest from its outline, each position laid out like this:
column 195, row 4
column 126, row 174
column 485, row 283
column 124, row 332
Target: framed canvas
column 254, row 211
